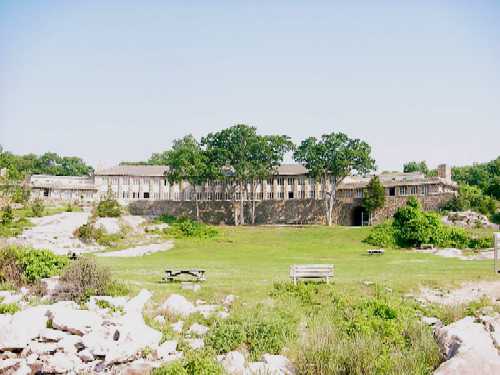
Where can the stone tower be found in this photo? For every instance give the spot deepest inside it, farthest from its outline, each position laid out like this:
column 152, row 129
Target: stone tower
column 444, row 171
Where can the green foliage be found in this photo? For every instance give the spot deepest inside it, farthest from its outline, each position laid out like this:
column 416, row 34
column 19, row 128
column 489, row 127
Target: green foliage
column 37, row 207
column 19, row 265
column 168, row 219
column 193, row 229
column 195, row 362
column 90, row 233
column 108, row 207
column 7, row 216
column 382, row 235
column 9, row 308
column 496, row 217
column 374, row 195
column 471, row 198
column 485, row 176
column 261, row 330
column 412, row 227
column 20, row 166
column 116, row 288
column 332, row 158
column 414, row 166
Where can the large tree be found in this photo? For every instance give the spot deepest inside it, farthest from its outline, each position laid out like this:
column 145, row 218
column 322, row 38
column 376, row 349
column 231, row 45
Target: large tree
column 187, row 161
column 413, row 166
column 330, row 160
column 374, row 196
column 266, row 154
column 229, row 151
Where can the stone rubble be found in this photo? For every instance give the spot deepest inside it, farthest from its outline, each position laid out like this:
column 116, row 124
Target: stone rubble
column 234, row 363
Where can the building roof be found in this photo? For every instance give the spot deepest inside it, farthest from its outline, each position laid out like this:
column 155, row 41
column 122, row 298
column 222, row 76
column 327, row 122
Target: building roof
column 134, row 170
column 291, row 169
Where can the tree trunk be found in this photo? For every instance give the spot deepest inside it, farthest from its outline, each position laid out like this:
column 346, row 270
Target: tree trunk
column 196, row 204
column 242, row 211
column 254, row 189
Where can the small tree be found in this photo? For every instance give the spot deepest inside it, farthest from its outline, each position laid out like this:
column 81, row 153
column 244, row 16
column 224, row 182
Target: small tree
column 37, row 207
column 331, row 159
column 109, row 206
column 7, row 215
column 374, row 196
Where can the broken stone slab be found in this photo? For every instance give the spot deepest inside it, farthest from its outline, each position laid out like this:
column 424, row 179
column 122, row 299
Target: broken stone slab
column 7, row 296
column 167, row 349
column 178, row 305
column 138, row 367
column 234, row 363
column 60, row 363
column 22, row 327
column 70, row 343
column 77, row 322
column 113, row 301
column 206, row 310
column 40, row 348
column 431, row 321
column 492, row 325
column 85, row 355
column 198, row 329
column 468, row 348
column 279, row 363
column 100, row 341
column 49, row 334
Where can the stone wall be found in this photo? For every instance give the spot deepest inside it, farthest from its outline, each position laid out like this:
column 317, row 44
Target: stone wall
column 293, row 211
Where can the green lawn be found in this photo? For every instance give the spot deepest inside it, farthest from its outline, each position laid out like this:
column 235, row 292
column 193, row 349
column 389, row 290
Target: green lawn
column 247, row 260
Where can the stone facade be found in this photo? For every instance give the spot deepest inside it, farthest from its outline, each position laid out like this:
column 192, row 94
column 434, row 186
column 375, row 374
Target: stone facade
column 288, row 196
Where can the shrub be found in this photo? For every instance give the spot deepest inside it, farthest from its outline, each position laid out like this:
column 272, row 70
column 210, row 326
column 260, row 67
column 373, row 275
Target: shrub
column 24, row 265
column 9, row 308
column 84, row 278
column 37, row 207
column 225, row 336
column 7, row 215
column 108, row 207
column 196, row 362
column 174, row 368
column 382, row 235
column 168, row 219
column 189, row 228
column 495, row 218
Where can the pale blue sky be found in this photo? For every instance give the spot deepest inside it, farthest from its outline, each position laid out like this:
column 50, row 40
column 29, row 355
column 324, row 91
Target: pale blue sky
column 118, row 80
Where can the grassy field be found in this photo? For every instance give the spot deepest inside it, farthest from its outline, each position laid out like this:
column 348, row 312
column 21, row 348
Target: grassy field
column 247, row 260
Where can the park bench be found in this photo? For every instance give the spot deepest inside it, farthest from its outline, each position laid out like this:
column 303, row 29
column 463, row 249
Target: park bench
column 311, row 271
column 197, row 273
column 375, row 251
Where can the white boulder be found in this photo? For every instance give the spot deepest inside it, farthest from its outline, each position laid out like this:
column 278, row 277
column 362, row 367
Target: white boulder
column 60, row 363
column 198, row 329
column 48, row 334
column 234, row 363
column 166, row 349
column 195, row 343
column 468, row 348
column 178, row 305
column 177, row 327
column 77, row 322
column 22, row 327
column 279, row 363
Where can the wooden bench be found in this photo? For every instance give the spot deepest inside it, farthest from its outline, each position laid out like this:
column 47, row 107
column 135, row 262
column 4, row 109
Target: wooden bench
column 311, row 271
column 375, row 251
column 197, row 273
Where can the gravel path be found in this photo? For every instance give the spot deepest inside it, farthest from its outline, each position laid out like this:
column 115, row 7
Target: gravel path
column 139, row 250
column 468, row 292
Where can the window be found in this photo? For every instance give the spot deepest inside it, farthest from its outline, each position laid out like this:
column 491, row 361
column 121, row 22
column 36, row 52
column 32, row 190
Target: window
column 348, row 193
column 312, row 181
column 424, row 189
column 402, row 190
column 165, row 182
column 301, row 181
column 270, row 195
column 145, row 180
column 291, row 181
column 281, row 195
column 209, row 196
column 290, row 195
column 123, row 194
column 270, row 181
column 312, row 194
column 392, row 191
column 302, row 194
column 45, row 192
column 260, row 196
column 413, row 190
column 146, row 195
column 358, row 193
column 126, row 180
column 218, row 196
column 114, row 181
column 281, row 181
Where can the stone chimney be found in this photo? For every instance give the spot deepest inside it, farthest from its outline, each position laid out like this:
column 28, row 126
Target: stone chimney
column 444, row 171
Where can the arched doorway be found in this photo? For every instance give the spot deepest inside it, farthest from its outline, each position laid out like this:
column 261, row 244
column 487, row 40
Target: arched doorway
column 360, row 217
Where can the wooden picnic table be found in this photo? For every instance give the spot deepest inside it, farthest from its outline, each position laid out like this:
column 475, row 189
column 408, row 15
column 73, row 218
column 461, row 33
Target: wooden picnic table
column 199, row 274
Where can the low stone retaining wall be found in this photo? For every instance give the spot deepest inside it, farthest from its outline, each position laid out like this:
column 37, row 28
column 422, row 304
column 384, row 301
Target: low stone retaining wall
column 293, row 211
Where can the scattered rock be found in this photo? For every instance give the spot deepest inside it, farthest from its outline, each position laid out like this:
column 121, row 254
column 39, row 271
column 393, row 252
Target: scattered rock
column 229, row 300
column 77, row 322
column 48, row 334
column 178, row 305
column 234, row 363
column 431, row 321
column 40, row 348
column 195, row 343
column 279, row 363
column 60, row 363
column 166, row 349
column 198, row 329
column 22, row 327
column 177, row 327
column 206, row 310
column 85, row 356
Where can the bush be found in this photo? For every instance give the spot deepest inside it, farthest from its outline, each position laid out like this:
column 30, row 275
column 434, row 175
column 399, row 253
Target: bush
column 24, row 265
column 89, row 233
column 382, row 235
column 495, row 218
column 174, row 368
column 168, row 219
column 412, row 227
column 108, row 207
column 189, row 228
column 37, row 207
column 7, row 215
column 9, row 308
column 84, row 278
column 225, row 336
column 196, row 362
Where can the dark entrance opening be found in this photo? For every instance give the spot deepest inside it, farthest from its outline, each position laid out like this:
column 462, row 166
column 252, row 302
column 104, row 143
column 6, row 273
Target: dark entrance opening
column 392, row 191
column 290, row 195
column 146, row 195
column 45, row 192
column 360, row 217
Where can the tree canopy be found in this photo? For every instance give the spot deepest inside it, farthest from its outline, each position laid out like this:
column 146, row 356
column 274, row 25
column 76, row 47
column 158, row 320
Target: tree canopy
column 374, row 195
